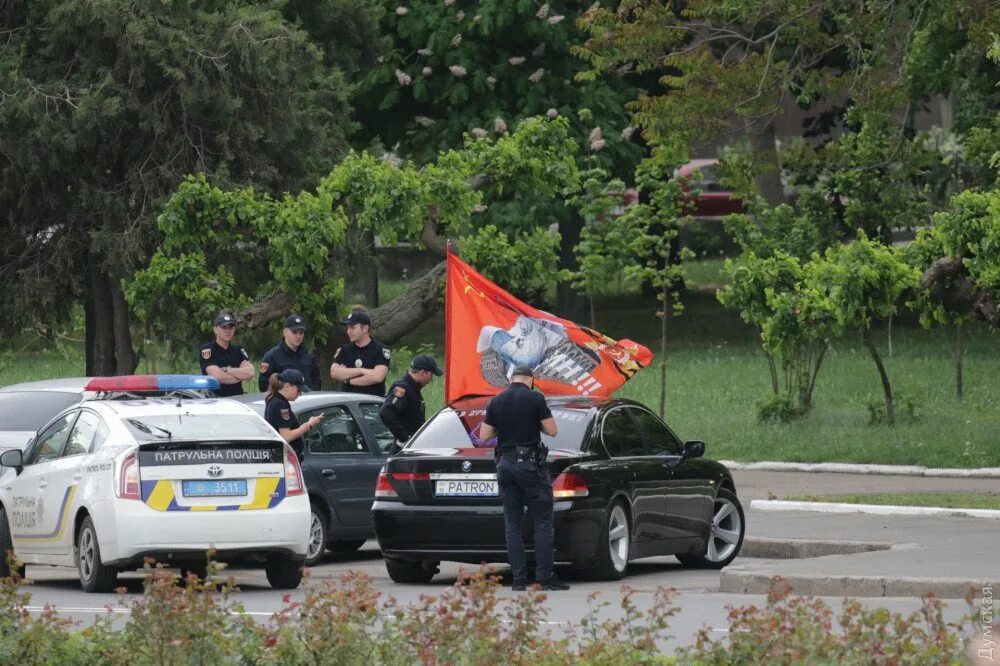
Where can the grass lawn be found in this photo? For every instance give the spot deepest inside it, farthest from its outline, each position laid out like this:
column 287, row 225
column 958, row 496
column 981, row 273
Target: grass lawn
column 717, row 374
column 946, row 500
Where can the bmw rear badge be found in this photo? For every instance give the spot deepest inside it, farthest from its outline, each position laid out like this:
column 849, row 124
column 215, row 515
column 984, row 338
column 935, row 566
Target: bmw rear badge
column 466, row 466
column 215, row 471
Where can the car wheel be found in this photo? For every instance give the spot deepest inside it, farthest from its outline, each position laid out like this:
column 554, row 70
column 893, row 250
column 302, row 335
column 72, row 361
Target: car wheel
column 725, row 536
column 401, row 571
column 615, row 546
column 7, row 550
column 346, row 546
column 283, row 573
column 317, row 537
column 95, row 576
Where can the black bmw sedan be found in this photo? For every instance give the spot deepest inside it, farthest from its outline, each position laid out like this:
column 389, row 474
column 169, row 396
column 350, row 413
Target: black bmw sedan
column 625, row 487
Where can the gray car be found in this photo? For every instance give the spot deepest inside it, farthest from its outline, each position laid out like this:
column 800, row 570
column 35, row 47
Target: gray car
column 342, row 462
column 24, row 408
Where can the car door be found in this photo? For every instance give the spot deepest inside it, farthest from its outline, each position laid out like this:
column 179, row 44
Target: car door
column 644, row 473
column 689, row 494
column 38, row 498
column 339, row 453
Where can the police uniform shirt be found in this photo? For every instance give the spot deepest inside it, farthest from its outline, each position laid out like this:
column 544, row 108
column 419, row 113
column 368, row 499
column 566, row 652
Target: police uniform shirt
column 517, row 414
column 230, row 357
column 369, row 356
column 280, row 357
column 403, row 409
column 278, row 413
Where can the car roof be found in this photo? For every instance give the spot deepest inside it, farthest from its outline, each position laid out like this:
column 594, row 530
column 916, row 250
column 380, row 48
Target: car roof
column 65, row 385
column 312, row 398
column 169, row 407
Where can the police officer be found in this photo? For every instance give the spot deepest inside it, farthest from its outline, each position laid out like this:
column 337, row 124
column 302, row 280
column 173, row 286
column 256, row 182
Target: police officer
column 225, row 361
column 290, row 353
column 403, row 410
column 516, row 417
column 282, row 390
column 362, row 363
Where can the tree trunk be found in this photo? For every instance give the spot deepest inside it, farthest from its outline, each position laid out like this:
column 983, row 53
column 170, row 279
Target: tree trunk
column 126, row 358
column 663, row 357
column 100, row 323
column 815, row 373
column 593, row 314
column 362, row 284
column 866, row 335
column 408, row 310
column 569, row 302
column 769, row 183
column 959, row 356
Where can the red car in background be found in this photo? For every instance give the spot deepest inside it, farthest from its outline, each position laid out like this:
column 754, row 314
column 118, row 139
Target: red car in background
column 712, row 199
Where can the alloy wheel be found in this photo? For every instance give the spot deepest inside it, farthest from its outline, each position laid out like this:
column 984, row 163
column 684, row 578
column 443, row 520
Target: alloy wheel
column 618, row 537
column 87, row 553
column 317, row 537
column 727, row 528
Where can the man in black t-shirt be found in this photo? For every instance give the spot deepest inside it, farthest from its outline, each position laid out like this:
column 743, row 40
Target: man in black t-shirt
column 517, row 417
column 362, row 363
column 225, row 361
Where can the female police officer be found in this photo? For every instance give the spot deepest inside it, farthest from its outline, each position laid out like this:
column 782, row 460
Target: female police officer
column 282, row 390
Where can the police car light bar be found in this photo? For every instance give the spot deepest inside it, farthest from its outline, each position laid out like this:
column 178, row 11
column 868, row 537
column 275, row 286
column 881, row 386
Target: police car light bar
column 152, row 383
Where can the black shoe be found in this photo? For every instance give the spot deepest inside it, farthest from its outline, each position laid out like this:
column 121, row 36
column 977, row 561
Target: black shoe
column 519, row 586
column 554, row 584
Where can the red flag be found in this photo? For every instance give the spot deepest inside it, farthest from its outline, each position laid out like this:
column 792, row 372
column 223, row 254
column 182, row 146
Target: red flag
column 488, row 333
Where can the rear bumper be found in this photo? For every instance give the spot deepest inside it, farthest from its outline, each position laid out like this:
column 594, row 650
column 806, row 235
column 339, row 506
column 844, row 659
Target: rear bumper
column 131, row 530
column 476, row 534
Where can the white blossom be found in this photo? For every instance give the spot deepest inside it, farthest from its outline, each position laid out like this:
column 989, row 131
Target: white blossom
column 459, row 17
column 392, row 159
column 597, row 145
column 402, row 11
column 537, row 75
column 402, row 77
column 499, row 126
column 449, row 3
column 456, row 40
column 479, row 132
column 543, row 11
column 477, row 18
column 627, row 133
column 556, row 19
column 594, row 7
column 491, row 80
column 424, row 121
column 480, row 208
column 552, row 114
column 596, row 139
column 425, row 52
column 516, row 60
column 427, row 71
column 457, row 70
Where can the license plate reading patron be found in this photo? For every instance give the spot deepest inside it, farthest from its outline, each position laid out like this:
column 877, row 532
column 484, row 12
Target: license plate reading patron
column 230, row 488
column 466, row 488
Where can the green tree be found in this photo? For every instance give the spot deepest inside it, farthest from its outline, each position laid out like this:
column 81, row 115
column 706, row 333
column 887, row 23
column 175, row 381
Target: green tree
column 107, row 105
column 292, row 245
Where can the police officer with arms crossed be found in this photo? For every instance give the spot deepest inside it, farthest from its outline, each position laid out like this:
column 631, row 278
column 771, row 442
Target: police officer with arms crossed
column 362, row 363
column 516, row 417
column 290, row 353
column 225, row 361
column 403, row 410
column 282, row 390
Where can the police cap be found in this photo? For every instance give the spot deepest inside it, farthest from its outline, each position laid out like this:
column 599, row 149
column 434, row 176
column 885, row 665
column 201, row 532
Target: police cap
column 357, row 317
column 295, row 323
column 425, row 362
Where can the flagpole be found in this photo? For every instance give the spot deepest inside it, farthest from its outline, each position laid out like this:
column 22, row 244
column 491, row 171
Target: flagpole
column 447, row 322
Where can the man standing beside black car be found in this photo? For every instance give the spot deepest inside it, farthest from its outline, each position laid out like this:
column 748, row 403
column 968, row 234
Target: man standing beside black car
column 403, row 411
column 517, row 417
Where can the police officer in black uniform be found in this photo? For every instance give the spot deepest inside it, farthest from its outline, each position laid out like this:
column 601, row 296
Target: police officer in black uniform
column 362, row 363
column 290, row 353
column 516, row 417
column 403, row 410
column 225, row 361
column 282, row 390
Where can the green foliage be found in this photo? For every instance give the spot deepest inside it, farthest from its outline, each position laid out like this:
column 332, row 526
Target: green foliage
column 906, row 408
column 778, row 409
column 603, row 250
column 525, row 267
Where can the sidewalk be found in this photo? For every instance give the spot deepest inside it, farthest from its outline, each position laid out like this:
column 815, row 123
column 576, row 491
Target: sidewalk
column 756, row 484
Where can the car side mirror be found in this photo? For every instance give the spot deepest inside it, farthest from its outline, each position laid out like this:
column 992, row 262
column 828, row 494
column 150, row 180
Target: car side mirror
column 694, row 449
column 12, row 458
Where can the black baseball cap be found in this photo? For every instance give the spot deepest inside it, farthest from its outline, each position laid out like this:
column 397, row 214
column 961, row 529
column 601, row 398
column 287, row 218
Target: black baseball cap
column 357, row 317
column 523, row 371
column 225, row 319
column 295, row 323
column 293, row 377
column 425, row 362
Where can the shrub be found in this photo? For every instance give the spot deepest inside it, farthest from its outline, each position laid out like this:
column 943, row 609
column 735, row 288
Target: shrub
column 778, row 409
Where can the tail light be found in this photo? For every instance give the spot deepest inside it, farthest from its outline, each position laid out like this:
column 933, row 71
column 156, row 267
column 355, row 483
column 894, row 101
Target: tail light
column 569, row 485
column 293, row 473
column 383, row 487
column 411, row 476
column 127, row 485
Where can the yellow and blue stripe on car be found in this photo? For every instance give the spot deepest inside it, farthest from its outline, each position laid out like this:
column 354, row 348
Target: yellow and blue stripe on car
column 159, row 495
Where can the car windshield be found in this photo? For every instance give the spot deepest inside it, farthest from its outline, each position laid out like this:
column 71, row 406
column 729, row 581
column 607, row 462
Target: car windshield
column 163, row 427
column 30, row 410
column 451, row 428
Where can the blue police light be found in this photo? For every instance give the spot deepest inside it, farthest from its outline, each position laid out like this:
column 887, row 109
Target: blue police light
column 186, row 383
column 152, row 383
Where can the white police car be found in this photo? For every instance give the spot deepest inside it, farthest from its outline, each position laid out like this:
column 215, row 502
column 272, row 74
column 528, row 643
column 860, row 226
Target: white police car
column 127, row 476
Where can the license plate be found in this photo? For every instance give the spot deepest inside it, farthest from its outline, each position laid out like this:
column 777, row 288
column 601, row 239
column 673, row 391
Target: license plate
column 230, row 488
column 466, row 488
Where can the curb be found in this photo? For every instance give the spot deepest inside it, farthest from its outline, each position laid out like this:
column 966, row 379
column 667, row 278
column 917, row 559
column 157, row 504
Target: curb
column 799, row 549
column 852, row 468
column 745, row 582
column 873, row 509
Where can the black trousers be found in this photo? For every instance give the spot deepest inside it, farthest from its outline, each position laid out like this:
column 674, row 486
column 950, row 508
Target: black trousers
column 527, row 484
